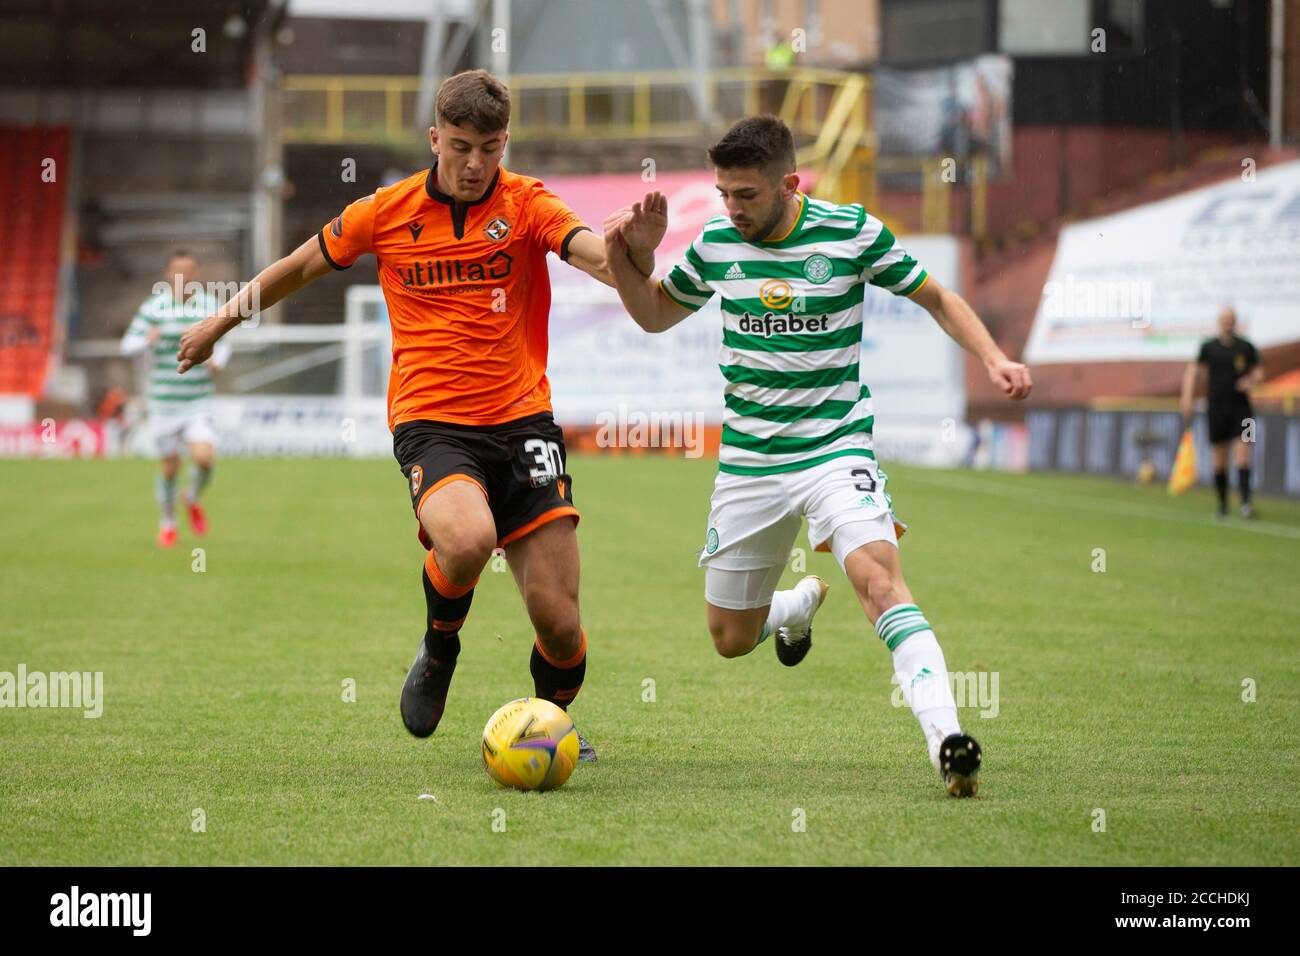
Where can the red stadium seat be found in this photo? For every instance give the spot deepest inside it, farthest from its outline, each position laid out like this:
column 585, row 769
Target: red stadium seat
column 29, row 273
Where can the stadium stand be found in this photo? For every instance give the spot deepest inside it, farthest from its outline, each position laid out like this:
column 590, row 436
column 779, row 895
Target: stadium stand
column 31, row 203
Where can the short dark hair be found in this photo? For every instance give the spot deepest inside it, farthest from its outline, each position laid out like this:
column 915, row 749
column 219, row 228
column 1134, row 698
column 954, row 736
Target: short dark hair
column 181, row 254
column 474, row 99
column 757, row 141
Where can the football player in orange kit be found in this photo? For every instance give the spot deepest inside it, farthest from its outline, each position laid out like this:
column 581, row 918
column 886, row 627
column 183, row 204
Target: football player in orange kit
column 462, row 262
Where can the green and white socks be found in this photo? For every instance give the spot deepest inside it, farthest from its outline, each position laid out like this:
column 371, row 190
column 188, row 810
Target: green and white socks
column 199, row 477
column 921, row 672
column 164, row 492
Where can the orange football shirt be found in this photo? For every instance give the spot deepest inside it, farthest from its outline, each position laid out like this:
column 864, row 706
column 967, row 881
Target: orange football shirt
column 468, row 292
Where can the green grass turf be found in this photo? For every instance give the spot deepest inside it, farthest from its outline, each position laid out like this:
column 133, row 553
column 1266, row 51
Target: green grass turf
column 1119, row 690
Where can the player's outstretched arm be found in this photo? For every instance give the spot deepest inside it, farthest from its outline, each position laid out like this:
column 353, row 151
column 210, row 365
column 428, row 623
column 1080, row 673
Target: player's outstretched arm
column 644, row 300
column 587, row 254
column 958, row 319
column 587, row 250
column 277, row 281
column 629, row 235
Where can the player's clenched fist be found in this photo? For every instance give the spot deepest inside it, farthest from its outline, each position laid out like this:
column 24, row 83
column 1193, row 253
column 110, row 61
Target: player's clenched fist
column 1012, row 377
column 196, row 344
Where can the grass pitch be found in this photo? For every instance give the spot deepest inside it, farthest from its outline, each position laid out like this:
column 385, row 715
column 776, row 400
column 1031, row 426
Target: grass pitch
column 1118, row 691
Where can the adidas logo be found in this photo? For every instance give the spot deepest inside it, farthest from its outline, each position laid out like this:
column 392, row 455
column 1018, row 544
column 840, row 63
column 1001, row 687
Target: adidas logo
column 735, row 272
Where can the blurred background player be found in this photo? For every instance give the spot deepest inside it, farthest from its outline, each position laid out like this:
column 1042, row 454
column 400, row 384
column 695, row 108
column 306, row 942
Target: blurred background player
column 796, row 438
column 1229, row 366
column 180, row 407
column 462, row 261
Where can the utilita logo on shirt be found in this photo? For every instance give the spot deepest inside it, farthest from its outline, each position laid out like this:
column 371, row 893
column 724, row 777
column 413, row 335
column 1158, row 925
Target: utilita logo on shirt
column 451, row 272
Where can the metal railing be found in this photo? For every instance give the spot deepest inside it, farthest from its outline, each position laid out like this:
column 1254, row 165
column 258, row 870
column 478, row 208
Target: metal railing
column 828, row 110
column 649, row 104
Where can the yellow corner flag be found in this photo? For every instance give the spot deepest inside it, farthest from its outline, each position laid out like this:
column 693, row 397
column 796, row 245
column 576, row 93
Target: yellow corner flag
column 1184, row 474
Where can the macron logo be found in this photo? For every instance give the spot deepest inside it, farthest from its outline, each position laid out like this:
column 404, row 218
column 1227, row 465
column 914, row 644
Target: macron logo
column 735, row 272
column 102, row 909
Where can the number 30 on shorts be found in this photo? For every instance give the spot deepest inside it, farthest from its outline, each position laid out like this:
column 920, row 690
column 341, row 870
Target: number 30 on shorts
column 549, row 463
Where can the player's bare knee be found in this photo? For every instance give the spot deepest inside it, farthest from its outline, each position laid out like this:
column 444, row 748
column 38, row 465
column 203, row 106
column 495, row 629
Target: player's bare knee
column 718, row 631
column 729, row 638
column 730, row 646
column 560, row 632
column 462, row 553
column 884, row 591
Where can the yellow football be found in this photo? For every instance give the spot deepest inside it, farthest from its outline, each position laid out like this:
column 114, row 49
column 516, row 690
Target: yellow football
column 530, row 744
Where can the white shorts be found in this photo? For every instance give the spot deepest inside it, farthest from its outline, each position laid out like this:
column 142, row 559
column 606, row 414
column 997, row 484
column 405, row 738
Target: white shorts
column 754, row 520
column 169, row 432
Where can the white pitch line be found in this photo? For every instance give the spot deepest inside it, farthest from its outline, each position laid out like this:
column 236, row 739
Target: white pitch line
column 1088, row 503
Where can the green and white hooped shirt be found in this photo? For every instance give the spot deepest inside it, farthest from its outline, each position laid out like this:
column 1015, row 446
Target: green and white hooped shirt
column 169, row 392
column 792, row 332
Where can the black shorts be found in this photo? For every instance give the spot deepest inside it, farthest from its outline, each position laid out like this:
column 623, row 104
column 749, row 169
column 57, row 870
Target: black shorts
column 1225, row 419
column 519, row 466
